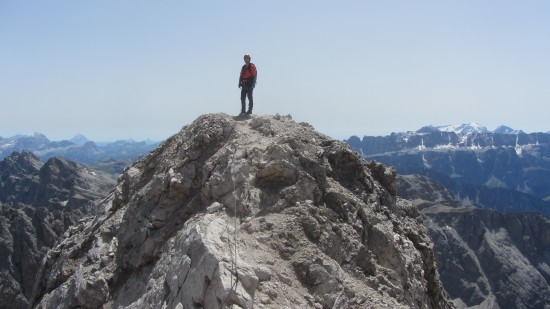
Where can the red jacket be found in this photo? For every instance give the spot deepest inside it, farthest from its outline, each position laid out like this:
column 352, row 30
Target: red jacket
column 248, row 75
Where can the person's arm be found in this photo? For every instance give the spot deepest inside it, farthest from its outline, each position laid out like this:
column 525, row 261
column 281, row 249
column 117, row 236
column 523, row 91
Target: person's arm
column 240, row 78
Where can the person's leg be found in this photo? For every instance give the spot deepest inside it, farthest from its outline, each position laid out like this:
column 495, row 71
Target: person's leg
column 243, row 98
column 250, row 101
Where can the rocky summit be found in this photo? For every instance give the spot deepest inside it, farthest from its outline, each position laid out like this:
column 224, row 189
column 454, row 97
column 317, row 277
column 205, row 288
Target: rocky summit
column 247, row 212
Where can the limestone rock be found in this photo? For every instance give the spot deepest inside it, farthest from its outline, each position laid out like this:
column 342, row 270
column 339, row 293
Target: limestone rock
column 305, row 223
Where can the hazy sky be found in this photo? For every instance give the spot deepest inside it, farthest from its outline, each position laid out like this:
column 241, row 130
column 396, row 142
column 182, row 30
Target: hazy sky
column 143, row 69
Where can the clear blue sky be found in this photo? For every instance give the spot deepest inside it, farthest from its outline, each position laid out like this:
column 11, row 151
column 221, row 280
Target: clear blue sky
column 143, row 69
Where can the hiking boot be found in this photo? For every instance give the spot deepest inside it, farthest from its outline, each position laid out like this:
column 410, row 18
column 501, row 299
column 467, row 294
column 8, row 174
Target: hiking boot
column 249, row 112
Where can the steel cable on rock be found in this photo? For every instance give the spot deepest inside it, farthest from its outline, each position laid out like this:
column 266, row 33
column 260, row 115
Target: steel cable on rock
column 235, row 257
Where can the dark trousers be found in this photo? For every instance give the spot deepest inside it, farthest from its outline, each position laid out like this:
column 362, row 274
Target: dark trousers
column 247, row 92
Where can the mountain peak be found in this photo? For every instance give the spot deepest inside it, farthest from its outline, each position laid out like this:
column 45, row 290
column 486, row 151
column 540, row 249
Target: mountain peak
column 502, row 129
column 427, row 129
column 79, row 139
column 296, row 218
column 20, row 164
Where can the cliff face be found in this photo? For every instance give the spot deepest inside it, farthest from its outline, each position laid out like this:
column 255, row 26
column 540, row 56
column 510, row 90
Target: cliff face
column 38, row 203
column 26, row 235
column 507, row 172
column 493, row 258
column 19, row 177
column 486, row 259
column 257, row 212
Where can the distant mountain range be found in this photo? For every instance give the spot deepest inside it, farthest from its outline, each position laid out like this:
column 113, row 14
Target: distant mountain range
column 110, row 157
column 472, row 128
column 465, row 137
column 327, row 223
column 504, row 169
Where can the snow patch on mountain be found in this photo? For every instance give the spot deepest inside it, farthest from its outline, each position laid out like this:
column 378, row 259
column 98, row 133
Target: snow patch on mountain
column 469, row 128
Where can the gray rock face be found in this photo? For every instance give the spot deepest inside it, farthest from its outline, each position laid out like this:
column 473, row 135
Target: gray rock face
column 424, row 191
column 492, row 258
column 58, row 184
column 486, row 259
column 251, row 212
column 27, row 233
column 38, row 203
column 20, row 176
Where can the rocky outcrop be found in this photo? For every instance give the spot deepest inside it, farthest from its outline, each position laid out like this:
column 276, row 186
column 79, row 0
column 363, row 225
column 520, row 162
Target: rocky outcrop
column 247, row 212
column 486, row 259
column 38, row 203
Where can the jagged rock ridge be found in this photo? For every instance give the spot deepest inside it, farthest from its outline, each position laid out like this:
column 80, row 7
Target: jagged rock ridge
column 110, row 157
column 38, row 203
column 257, row 212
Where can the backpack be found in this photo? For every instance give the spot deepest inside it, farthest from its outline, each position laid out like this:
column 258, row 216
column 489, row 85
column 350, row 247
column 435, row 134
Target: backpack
column 254, row 77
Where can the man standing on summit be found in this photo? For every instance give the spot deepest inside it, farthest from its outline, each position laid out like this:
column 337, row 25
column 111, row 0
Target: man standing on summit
column 247, row 82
